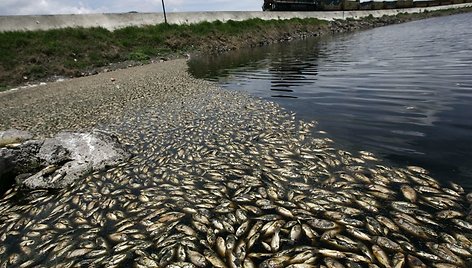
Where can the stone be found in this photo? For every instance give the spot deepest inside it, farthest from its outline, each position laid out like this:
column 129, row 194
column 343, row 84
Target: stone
column 59, row 161
column 19, row 160
column 77, row 154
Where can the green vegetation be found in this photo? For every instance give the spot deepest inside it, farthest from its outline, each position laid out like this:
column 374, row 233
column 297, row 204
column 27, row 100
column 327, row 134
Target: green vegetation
column 29, row 56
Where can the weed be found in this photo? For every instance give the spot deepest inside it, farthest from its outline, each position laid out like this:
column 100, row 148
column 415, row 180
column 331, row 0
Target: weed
column 138, row 56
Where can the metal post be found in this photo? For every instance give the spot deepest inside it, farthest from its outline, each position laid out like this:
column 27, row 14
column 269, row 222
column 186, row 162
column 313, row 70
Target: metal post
column 164, row 9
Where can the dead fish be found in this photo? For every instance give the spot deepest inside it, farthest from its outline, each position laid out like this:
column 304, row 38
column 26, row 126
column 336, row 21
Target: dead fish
column 196, row 258
column 398, row 260
column 295, row 232
column 417, row 169
column 213, row 259
column 444, row 253
column 462, row 224
column 414, row 262
column 358, row 233
column 332, row 263
column 381, row 256
column 387, row 243
column 331, row 253
column 409, row 193
column 322, row 224
column 220, row 246
column 275, row 241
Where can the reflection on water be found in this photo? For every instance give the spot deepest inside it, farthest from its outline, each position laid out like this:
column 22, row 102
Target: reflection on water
column 402, row 91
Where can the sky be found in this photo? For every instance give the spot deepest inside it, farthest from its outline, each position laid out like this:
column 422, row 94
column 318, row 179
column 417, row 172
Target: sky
column 40, row 7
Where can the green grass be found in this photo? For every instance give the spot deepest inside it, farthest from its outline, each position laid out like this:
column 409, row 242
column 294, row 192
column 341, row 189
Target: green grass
column 41, row 54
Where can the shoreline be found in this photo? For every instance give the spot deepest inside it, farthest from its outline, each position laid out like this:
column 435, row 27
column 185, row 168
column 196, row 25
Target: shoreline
column 32, row 70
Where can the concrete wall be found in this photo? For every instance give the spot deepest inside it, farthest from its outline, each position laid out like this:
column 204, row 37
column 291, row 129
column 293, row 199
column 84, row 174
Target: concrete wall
column 116, row 21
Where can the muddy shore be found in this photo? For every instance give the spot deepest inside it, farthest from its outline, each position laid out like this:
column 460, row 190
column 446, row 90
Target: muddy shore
column 84, row 103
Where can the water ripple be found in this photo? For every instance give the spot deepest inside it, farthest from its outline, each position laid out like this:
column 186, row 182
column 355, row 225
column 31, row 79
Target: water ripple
column 402, row 91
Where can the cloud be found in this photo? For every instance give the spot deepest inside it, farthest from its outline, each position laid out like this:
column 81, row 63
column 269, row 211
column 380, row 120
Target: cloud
column 30, row 7
column 27, row 7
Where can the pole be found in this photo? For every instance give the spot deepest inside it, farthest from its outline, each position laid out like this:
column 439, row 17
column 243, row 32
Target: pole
column 164, row 9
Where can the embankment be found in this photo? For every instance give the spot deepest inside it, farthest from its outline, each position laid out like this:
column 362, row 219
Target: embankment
column 29, row 57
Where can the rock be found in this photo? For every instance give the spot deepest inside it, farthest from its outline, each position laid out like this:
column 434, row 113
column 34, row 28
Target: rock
column 12, row 136
column 19, row 160
column 82, row 154
column 59, row 161
column 53, row 152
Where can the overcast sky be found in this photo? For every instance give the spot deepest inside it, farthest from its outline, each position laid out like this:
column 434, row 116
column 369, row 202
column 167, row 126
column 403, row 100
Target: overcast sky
column 29, row 7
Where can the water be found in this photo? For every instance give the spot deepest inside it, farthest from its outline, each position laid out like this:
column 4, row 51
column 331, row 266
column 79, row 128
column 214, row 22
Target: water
column 403, row 92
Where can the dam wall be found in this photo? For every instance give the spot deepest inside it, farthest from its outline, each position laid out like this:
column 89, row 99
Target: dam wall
column 121, row 20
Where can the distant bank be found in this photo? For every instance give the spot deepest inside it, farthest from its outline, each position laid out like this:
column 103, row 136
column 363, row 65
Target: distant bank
column 30, row 57
column 117, row 21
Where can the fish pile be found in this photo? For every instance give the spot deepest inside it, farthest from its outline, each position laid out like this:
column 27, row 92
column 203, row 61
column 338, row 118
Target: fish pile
column 220, row 179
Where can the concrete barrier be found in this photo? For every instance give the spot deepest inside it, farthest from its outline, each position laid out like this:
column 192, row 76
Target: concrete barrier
column 117, row 21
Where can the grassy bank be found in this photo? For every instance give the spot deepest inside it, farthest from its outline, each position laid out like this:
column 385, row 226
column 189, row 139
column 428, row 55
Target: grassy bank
column 39, row 55
column 26, row 56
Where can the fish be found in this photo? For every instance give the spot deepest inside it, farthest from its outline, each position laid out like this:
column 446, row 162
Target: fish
column 414, row 262
column 409, row 193
column 381, row 256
